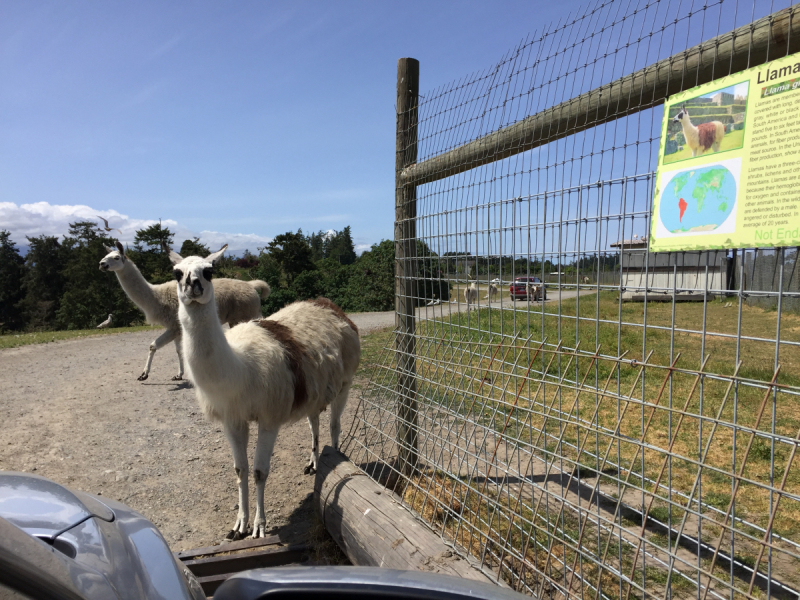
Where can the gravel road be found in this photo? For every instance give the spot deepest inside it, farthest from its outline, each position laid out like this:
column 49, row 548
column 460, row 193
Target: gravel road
column 74, row 412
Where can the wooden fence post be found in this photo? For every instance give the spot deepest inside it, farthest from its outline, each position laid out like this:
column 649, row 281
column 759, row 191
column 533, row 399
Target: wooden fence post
column 405, row 249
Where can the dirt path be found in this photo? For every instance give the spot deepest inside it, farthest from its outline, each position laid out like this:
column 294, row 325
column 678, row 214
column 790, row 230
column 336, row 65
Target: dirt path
column 74, row 412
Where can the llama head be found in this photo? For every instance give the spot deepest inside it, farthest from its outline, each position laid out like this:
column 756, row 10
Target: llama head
column 193, row 275
column 115, row 259
column 681, row 115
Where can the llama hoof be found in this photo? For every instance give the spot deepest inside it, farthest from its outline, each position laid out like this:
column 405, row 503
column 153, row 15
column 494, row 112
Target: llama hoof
column 142, row 377
column 177, row 378
column 259, row 531
column 234, row 536
column 309, row 470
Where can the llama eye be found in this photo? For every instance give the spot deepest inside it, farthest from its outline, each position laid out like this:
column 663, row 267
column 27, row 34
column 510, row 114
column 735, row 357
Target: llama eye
column 207, row 273
column 178, row 274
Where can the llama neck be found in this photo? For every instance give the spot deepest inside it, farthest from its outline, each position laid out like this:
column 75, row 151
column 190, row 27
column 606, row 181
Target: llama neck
column 136, row 286
column 205, row 347
column 686, row 125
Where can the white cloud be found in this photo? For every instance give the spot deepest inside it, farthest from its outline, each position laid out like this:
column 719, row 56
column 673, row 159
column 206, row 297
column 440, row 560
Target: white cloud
column 42, row 218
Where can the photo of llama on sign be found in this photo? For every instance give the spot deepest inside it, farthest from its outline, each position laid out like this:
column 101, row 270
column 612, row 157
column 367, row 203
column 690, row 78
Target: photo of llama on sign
column 707, row 124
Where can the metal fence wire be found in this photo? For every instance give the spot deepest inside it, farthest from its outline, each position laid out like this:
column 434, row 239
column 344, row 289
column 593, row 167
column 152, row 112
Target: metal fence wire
column 627, row 425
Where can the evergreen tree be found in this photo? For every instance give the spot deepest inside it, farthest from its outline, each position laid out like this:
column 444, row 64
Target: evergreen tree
column 317, row 242
column 42, row 282
column 194, row 248
column 11, row 272
column 293, row 254
column 340, row 247
column 90, row 294
column 149, row 255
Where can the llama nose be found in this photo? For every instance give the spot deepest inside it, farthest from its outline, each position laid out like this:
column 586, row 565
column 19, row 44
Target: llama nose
column 193, row 288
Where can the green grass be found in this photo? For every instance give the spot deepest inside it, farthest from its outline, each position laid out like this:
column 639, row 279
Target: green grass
column 15, row 340
column 731, row 141
column 468, row 363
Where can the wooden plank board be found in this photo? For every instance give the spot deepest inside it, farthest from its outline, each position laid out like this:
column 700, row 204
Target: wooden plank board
column 229, row 547
column 375, row 530
column 211, row 583
column 233, row 563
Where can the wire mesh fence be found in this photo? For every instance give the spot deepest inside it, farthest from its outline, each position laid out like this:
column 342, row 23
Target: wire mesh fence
column 585, row 417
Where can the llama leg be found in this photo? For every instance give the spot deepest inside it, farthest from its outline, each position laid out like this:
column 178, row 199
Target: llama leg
column 237, row 435
column 161, row 341
column 179, row 349
column 311, row 467
column 264, row 447
column 337, row 408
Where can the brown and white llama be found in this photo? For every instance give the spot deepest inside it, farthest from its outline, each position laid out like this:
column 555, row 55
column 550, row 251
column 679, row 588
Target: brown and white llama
column 701, row 137
column 273, row 371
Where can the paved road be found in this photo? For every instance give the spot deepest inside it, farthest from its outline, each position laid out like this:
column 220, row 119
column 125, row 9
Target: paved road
column 372, row 321
column 448, row 308
column 368, row 322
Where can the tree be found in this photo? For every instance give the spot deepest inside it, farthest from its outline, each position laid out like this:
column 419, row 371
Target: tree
column 42, row 282
column 155, row 236
column 334, row 279
column 149, row 255
column 317, row 242
column 90, row 294
column 371, row 284
column 340, row 247
column 293, row 254
column 248, row 260
column 268, row 270
column 307, row 285
column 432, row 282
column 12, row 268
column 194, row 248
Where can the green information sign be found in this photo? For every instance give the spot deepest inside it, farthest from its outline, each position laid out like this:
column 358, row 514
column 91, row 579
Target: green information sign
column 729, row 163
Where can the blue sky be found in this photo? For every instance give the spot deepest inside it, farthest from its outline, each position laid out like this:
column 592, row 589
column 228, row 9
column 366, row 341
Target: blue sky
column 232, row 121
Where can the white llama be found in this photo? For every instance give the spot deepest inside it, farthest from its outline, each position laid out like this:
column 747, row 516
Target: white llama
column 704, row 136
column 273, row 371
column 533, row 292
column 471, row 294
column 491, row 292
column 237, row 301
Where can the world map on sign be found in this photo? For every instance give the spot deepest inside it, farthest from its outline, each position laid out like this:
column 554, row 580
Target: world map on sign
column 698, row 199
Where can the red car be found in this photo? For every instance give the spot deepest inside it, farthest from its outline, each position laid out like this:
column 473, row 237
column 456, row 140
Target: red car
column 517, row 288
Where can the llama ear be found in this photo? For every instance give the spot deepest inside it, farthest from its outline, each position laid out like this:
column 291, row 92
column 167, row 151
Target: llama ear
column 215, row 256
column 120, row 249
column 174, row 257
column 108, row 250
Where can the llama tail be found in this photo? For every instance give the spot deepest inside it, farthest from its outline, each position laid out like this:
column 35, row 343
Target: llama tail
column 262, row 287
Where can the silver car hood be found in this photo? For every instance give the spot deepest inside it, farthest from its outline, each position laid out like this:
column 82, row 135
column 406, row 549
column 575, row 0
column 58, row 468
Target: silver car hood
column 43, row 508
column 107, row 549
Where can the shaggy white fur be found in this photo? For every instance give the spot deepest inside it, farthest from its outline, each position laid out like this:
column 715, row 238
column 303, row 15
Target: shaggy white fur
column 701, row 137
column 492, row 292
column 274, row 371
column 237, row 301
